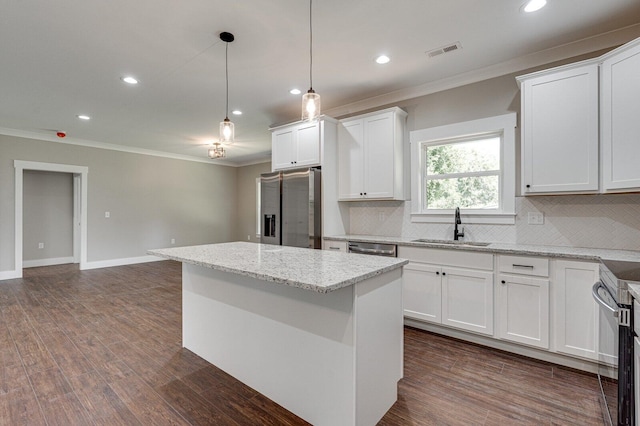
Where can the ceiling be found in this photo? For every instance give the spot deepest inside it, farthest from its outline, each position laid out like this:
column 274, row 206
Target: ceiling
column 64, row 58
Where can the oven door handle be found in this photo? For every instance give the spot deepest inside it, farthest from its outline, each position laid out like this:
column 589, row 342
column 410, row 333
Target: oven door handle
column 600, row 300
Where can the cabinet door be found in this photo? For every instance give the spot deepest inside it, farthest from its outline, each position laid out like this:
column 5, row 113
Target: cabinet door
column 560, row 132
column 283, row 149
column 308, row 145
column 379, row 156
column 636, row 378
column 523, row 310
column 619, row 119
column 350, row 160
column 422, row 292
column 467, row 299
column 575, row 311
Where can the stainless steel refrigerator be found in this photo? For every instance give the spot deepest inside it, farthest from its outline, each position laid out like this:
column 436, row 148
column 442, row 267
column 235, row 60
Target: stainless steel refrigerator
column 290, row 210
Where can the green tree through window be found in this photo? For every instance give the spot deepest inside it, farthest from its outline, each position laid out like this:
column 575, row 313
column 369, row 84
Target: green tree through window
column 463, row 173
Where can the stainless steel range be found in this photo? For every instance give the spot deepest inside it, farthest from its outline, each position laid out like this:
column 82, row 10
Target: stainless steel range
column 616, row 331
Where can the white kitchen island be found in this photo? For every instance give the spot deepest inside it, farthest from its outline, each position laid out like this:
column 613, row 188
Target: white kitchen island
column 318, row 332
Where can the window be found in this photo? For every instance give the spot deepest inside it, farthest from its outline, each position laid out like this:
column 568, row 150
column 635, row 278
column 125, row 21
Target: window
column 470, row 165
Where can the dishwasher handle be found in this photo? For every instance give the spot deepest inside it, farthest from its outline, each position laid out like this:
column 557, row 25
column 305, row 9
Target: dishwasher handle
column 361, row 250
column 603, row 303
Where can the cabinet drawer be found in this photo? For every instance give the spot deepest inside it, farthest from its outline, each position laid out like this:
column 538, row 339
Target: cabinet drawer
column 335, row 246
column 524, row 265
column 454, row 257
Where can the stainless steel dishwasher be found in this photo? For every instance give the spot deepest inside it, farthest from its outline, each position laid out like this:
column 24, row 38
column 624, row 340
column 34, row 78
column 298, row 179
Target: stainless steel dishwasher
column 376, row 249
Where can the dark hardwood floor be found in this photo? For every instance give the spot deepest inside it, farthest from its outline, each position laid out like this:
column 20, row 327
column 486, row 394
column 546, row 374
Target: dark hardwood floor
column 104, row 347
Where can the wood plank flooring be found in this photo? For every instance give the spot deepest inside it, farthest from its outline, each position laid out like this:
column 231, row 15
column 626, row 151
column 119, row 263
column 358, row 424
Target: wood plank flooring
column 103, row 347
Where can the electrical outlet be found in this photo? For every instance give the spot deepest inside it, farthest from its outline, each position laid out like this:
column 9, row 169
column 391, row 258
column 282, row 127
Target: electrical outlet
column 535, row 218
column 249, row 237
column 382, row 216
column 107, row 215
column 173, row 241
column 40, row 245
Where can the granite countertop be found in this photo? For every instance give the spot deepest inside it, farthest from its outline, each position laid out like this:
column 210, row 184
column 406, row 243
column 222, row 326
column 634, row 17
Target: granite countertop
column 321, row 271
column 502, row 248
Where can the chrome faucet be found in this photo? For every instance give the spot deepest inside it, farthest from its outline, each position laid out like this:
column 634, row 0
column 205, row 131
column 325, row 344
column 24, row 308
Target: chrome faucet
column 457, row 221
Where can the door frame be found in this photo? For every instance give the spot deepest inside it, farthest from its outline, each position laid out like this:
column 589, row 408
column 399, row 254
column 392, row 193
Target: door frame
column 80, row 175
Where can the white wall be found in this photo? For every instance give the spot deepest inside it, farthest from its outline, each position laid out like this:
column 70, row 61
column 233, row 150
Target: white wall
column 151, row 199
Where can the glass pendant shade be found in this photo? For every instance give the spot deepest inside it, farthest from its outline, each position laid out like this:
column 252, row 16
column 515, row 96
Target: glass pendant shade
column 217, row 151
column 226, row 131
column 310, row 105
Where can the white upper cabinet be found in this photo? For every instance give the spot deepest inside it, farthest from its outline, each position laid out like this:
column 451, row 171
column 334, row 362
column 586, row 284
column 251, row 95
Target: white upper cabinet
column 371, row 156
column 620, row 137
column 559, row 124
column 297, row 145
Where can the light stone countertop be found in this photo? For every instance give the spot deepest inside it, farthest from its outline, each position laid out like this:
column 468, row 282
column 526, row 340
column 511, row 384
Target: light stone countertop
column 321, row 271
column 502, row 248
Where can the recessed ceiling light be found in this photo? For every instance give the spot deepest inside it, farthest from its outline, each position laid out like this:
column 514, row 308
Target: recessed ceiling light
column 383, row 59
column 236, row 112
column 295, row 91
column 130, row 80
column 533, row 5
column 83, row 117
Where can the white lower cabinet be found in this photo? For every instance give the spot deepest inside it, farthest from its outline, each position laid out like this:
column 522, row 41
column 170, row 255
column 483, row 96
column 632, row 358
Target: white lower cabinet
column 467, row 299
column 445, row 294
column 539, row 302
column 636, row 377
column 576, row 314
column 522, row 313
column 422, row 292
column 335, row 245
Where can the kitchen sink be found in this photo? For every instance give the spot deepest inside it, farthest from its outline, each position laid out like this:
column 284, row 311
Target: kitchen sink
column 451, row 242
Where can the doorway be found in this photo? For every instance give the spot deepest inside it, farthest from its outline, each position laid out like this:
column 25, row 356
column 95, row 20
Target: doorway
column 79, row 227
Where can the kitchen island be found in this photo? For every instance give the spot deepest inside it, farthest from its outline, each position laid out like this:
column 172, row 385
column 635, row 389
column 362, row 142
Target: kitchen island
column 318, row 332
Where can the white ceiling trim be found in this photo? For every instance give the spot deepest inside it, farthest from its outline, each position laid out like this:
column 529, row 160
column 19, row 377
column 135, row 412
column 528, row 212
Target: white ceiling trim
column 111, row 147
column 557, row 53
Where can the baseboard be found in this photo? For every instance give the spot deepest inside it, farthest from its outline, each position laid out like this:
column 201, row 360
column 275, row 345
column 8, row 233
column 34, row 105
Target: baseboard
column 10, row 275
column 47, row 262
column 118, row 262
column 553, row 357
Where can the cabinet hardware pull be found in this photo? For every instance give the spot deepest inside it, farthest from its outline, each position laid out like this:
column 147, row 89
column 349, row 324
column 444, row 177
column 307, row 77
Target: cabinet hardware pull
column 528, row 186
column 522, row 266
column 437, row 273
column 503, row 282
column 444, row 273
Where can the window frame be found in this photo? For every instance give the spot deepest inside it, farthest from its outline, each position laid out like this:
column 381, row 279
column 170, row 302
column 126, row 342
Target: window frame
column 504, row 126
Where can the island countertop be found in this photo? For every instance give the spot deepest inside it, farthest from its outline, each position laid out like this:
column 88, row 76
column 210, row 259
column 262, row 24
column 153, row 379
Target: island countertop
column 321, row 271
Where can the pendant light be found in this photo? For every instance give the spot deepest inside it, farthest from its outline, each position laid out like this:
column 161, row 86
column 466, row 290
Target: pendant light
column 226, row 125
column 310, row 100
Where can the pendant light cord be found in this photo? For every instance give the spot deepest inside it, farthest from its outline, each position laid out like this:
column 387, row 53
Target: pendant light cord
column 310, row 46
column 226, row 67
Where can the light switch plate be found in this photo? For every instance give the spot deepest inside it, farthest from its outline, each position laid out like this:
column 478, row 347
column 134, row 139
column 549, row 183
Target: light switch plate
column 535, row 218
column 107, row 215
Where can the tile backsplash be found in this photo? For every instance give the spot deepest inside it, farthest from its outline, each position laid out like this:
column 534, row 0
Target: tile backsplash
column 609, row 221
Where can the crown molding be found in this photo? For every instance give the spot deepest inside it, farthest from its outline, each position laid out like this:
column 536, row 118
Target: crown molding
column 112, row 147
column 564, row 51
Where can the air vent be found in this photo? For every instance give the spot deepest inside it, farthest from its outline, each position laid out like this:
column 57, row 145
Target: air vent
column 444, row 49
